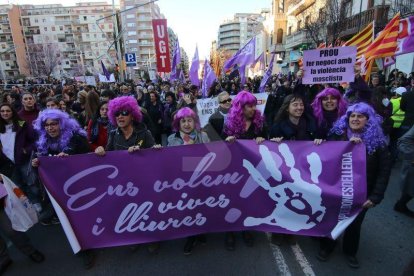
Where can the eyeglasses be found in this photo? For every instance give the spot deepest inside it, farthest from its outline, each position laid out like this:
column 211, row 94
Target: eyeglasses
column 226, row 101
column 122, row 112
column 51, row 125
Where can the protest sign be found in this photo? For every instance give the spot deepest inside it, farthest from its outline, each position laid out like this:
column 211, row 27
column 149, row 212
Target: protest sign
column 329, row 65
column 206, row 107
column 153, row 195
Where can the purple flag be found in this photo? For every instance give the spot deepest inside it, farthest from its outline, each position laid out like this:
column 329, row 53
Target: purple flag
column 242, row 73
column 175, row 63
column 406, row 36
column 292, row 188
column 105, row 71
column 195, row 64
column 267, row 75
column 243, row 57
column 208, row 79
column 182, row 77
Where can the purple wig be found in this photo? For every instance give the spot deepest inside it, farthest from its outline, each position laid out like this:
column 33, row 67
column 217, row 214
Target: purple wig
column 124, row 103
column 372, row 134
column 317, row 103
column 235, row 124
column 68, row 127
column 182, row 113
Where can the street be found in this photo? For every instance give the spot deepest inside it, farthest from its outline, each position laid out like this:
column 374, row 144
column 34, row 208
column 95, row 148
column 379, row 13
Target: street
column 387, row 244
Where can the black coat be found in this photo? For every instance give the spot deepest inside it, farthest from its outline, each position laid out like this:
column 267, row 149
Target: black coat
column 214, row 128
column 288, row 131
column 378, row 170
column 407, row 105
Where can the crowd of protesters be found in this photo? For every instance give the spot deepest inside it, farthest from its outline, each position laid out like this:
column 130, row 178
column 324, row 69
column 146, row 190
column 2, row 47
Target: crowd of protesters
column 60, row 118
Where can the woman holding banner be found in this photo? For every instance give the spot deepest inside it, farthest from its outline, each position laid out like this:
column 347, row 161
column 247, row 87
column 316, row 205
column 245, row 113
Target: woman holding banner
column 244, row 121
column 60, row 135
column 292, row 122
column 188, row 132
column 361, row 124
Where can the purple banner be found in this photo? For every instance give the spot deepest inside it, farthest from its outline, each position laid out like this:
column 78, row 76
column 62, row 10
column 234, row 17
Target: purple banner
column 329, row 65
column 123, row 198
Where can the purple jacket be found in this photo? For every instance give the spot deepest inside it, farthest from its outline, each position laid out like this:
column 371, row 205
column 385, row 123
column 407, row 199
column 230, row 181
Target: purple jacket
column 25, row 139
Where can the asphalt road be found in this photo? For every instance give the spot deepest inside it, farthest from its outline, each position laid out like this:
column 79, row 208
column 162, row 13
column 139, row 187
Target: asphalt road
column 387, row 245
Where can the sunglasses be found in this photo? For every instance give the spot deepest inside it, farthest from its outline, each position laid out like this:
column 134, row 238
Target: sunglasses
column 226, row 101
column 122, row 112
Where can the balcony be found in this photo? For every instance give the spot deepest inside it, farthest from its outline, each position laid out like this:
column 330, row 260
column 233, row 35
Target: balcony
column 299, row 6
column 144, row 27
column 295, row 39
column 5, row 31
column 63, row 22
column 353, row 24
column 277, row 48
column 229, row 34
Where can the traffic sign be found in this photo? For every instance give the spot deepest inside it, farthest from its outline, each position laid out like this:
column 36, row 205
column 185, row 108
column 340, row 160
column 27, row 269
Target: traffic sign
column 130, row 59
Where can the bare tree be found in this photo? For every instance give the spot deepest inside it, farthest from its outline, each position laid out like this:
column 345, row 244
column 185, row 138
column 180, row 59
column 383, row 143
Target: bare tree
column 323, row 24
column 43, row 59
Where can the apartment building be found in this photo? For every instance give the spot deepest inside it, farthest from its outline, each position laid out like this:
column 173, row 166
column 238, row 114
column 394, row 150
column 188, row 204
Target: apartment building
column 234, row 33
column 137, row 16
column 12, row 50
column 68, row 41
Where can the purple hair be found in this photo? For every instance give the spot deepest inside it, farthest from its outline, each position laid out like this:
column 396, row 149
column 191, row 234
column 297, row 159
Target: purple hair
column 317, row 103
column 182, row 113
column 124, row 103
column 68, row 127
column 372, row 134
column 235, row 124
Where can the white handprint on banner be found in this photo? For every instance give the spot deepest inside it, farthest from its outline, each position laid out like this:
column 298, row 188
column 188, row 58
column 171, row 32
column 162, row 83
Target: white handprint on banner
column 298, row 203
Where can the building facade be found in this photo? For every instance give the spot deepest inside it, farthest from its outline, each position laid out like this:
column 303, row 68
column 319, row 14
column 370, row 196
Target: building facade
column 68, row 41
column 138, row 36
column 235, row 32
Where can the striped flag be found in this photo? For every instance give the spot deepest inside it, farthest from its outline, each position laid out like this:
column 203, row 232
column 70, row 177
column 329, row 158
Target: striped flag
column 362, row 39
column 385, row 44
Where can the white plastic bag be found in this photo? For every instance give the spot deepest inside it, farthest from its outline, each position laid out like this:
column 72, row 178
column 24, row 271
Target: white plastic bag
column 18, row 208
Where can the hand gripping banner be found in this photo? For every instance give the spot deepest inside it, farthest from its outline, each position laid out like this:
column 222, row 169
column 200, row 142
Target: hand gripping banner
column 153, row 195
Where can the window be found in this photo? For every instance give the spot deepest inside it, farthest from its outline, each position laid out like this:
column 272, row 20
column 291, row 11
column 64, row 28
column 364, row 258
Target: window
column 322, row 14
column 103, row 35
column 130, row 16
column 67, row 62
column 290, row 30
column 133, row 41
column 94, row 35
column 53, row 29
column 45, row 28
column 299, row 25
column 60, row 28
column 129, row 25
column 132, row 33
column 279, row 38
column 84, row 18
column 43, row 20
column 347, row 8
column 88, row 36
column 307, row 20
column 36, row 20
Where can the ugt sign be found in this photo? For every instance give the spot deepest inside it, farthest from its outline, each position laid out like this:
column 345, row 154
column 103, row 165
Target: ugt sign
column 161, row 45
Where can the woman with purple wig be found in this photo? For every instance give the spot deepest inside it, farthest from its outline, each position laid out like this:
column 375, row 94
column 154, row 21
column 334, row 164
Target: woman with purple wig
column 360, row 124
column 244, row 121
column 60, row 135
column 328, row 107
column 130, row 133
column 188, row 132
